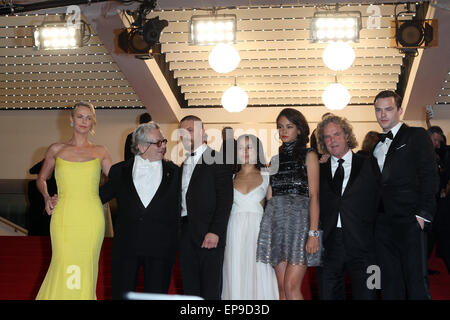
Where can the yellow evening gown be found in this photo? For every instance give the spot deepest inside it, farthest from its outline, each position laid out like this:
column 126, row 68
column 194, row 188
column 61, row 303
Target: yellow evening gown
column 77, row 230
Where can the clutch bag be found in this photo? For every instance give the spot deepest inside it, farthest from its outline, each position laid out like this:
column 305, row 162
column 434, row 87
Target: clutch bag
column 316, row 259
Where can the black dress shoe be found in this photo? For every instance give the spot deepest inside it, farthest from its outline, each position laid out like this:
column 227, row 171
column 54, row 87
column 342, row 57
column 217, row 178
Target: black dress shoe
column 433, row 272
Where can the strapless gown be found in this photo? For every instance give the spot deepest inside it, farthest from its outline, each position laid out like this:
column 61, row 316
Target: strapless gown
column 77, row 230
column 243, row 277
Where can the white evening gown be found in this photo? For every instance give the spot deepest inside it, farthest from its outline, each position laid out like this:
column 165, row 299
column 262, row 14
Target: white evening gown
column 243, row 277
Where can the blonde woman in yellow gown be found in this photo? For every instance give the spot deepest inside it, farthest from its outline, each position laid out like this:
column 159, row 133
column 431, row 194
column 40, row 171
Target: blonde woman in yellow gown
column 77, row 224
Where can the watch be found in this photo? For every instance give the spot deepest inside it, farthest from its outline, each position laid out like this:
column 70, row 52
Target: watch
column 313, row 233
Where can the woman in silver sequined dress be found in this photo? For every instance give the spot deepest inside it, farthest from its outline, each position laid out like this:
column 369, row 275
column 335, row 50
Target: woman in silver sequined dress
column 293, row 206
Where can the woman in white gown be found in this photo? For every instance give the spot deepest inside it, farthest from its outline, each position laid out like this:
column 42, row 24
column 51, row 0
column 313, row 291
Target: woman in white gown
column 243, row 277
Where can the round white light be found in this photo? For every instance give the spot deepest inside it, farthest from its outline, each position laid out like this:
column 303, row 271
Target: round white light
column 330, row 33
column 320, row 23
column 71, row 32
column 320, row 34
column 349, row 22
column 336, row 97
column 220, row 26
column 229, row 25
column 224, row 58
column 234, row 99
column 338, row 56
column 229, row 36
column 349, row 34
column 340, row 33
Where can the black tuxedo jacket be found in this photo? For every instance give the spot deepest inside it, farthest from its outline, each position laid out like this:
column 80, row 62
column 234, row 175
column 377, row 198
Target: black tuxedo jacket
column 409, row 180
column 127, row 154
column 209, row 198
column 151, row 231
column 357, row 206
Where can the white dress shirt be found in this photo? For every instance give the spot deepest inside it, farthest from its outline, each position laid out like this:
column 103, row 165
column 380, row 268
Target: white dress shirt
column 382, row 148
column 347, row 165
column 147, row 176
column 188, row 168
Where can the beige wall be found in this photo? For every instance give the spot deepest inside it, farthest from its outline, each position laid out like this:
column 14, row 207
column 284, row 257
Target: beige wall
column 25, row 135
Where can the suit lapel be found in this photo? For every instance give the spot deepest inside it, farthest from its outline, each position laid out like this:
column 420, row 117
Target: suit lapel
column 398, row 140
column 198, row 167
column 166, row 177
column 356, row 167
column 396, row 144
column 129, row 184
column 328, row 176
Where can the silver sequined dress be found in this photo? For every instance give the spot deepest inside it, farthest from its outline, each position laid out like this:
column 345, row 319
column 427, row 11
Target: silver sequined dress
column 285, row 223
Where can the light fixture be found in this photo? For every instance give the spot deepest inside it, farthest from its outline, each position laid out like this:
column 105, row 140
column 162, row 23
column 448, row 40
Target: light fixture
column 58, row 35
column 141, row 39
column 336, row 96
column 338, row 56
column 335, row 25
column 224, row 58
column 212, row 29
column 416, row 33
column 413, row 34
column 234, row 99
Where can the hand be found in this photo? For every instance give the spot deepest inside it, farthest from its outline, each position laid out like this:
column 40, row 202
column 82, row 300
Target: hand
column 312, row 245
column 324, row 158
column 211, row 240
column 50, row 204
column 421, row 222
column 429, row 114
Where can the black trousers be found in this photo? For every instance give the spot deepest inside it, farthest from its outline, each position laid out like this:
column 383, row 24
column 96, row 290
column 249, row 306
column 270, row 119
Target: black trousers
column 201, row 269
column 337, row 262
column 402, row 256
column 125, row 275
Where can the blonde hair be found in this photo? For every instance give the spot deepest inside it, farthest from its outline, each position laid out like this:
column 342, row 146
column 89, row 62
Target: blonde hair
column 343, row 123
column 91, row 107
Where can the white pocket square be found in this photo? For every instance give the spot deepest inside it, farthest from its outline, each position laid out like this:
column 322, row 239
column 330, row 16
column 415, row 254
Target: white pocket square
column 403, row 145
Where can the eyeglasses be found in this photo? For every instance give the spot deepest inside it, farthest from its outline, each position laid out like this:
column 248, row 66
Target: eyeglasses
column 158, row 143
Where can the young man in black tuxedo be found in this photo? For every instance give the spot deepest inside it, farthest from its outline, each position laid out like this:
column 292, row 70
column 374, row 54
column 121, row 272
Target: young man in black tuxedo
column 348, row 198
column 206, row 200
column 408, row 184
column 145, row 235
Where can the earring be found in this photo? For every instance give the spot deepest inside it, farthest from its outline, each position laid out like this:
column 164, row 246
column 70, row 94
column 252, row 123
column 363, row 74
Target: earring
column 71, row 124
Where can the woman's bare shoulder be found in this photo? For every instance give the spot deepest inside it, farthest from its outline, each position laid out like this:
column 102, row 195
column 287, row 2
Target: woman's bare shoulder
column 55, row 148
column 100, row 150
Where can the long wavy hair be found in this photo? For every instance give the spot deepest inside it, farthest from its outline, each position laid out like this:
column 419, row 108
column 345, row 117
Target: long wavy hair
column 344, row 124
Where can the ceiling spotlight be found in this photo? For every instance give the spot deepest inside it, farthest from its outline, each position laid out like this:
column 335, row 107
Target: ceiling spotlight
column 212, row 30
column 152, row 30
column 143, row 39
column 415, row 33
column 58, row 35
column 335, row 25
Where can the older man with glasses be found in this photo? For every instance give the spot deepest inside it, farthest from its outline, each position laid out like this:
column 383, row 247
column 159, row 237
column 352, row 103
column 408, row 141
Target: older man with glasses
column 146, row 230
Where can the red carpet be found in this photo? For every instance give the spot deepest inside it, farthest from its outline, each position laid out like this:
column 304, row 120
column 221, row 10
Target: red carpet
column 24, row 262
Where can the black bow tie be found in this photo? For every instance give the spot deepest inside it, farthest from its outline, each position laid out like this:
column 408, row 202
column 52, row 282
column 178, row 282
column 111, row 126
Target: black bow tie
column 383, row 136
